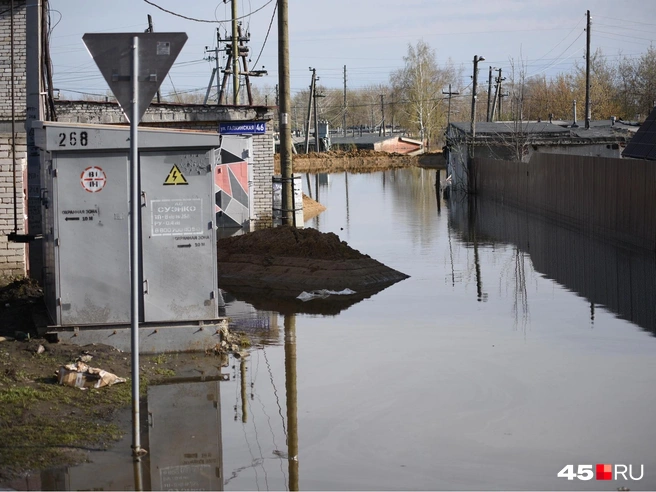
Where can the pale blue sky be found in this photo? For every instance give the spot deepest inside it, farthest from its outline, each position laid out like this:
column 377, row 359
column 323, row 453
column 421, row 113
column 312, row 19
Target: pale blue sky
column 370, row 37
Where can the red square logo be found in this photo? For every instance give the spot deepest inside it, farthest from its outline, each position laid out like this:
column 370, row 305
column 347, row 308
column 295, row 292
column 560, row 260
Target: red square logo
column 604, row 472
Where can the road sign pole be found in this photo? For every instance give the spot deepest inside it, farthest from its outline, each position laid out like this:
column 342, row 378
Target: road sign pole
column 135, row 200
column 116, row 55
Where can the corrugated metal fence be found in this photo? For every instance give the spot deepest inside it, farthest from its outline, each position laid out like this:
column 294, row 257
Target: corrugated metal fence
column 613, row 198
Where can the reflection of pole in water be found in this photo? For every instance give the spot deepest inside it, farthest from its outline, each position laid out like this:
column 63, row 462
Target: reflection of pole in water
column 521, row 294
column 290, row 387
column 244, row 399
column 592, row 314
column 438, row 192
column 316, row 186
column 347, row 200
column 138, row 475
column 309, row 186
column 479, row 287
column 477, row 263
column 453, row 273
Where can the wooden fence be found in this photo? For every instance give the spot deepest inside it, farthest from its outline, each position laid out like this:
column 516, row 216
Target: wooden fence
column 611, row 198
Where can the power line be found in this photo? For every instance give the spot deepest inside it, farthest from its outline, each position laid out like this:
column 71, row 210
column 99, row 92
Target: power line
column 275, row 7
column 205, row 20
column 624, row 20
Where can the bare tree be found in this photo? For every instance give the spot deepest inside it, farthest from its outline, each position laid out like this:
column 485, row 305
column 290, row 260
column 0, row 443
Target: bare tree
column 418, row 89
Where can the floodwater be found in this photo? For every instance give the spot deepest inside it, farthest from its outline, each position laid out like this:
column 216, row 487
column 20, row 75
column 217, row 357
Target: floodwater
column 515, row 348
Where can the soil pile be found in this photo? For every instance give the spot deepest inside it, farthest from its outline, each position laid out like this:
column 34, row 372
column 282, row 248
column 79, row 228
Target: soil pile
column 291, row 242
column 358, row 161
column 311, row 207
column 269, row 268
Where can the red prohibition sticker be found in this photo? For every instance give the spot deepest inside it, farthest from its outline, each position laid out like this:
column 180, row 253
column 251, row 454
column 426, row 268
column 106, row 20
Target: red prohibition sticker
column 93, row 179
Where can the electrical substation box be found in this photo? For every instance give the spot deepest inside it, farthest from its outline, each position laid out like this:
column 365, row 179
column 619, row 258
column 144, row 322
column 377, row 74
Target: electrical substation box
column 86, row 224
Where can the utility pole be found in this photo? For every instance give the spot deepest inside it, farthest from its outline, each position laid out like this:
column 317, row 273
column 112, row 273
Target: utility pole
column 382, row 112
column 309, row 112
column 235, row 54
column 150, row 29
column 215, row 71
column 242, row 52
column 489, row 93
column 587, row 73
column 284, row 109
column 344, row 105
column 497, row 94
column 471, row 185
column 474, row 94
column 448, row 114
column 317, row 148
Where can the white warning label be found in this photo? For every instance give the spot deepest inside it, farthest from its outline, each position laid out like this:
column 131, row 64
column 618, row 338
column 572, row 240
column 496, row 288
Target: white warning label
column 173, row 217
column 93, row 179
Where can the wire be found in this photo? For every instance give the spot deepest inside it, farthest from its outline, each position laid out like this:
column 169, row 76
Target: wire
column 267, row 35
column 205, row 20
column 561, row 41
column 558, row 58
column 624, row 20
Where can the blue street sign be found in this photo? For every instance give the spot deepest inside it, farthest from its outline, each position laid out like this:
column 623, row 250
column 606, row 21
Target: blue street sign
column 248, row 128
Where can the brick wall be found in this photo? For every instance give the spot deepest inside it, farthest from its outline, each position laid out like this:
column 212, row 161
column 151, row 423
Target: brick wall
column 263, row 147
column 19, row 60
column 12, row 255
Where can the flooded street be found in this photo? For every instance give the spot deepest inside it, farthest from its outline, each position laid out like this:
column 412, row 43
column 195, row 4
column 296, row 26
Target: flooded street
column 480, row 371
column 515, row 348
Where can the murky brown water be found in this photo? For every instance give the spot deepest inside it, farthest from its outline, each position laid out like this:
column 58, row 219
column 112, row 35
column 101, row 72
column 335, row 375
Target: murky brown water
column 514, row 349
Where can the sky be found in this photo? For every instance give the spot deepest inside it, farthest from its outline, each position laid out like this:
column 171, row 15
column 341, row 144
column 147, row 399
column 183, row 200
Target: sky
column 369, row 37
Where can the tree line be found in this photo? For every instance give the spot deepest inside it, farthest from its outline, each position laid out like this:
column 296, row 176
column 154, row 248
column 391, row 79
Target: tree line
column 416, row 98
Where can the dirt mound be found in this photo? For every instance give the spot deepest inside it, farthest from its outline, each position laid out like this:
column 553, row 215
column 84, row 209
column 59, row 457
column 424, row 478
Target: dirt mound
column 19, row 301
column 274, row 266
column 289, row 242
column 311, row 208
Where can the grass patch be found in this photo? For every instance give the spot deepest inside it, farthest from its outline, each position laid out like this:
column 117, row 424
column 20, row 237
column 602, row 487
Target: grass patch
column 44, row 424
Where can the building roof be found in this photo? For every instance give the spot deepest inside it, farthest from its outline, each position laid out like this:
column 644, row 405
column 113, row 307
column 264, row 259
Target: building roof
column 366, row 138
column 544, row 130
column 643, row 143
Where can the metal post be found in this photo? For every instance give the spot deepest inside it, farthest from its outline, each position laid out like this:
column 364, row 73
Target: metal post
column 135, row 291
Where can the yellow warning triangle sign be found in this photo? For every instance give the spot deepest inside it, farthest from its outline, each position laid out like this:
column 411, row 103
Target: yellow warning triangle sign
column 175, row 177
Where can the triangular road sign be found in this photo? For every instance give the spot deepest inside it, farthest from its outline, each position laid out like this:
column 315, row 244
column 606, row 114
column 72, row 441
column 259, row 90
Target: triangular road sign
column 113, row 55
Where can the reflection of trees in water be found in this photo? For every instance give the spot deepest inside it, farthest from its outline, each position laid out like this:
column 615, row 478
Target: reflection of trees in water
column 520, row 297
column 413, row 194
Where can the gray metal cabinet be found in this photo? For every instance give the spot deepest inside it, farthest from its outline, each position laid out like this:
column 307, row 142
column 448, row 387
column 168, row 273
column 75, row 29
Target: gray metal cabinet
column 86, row 219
